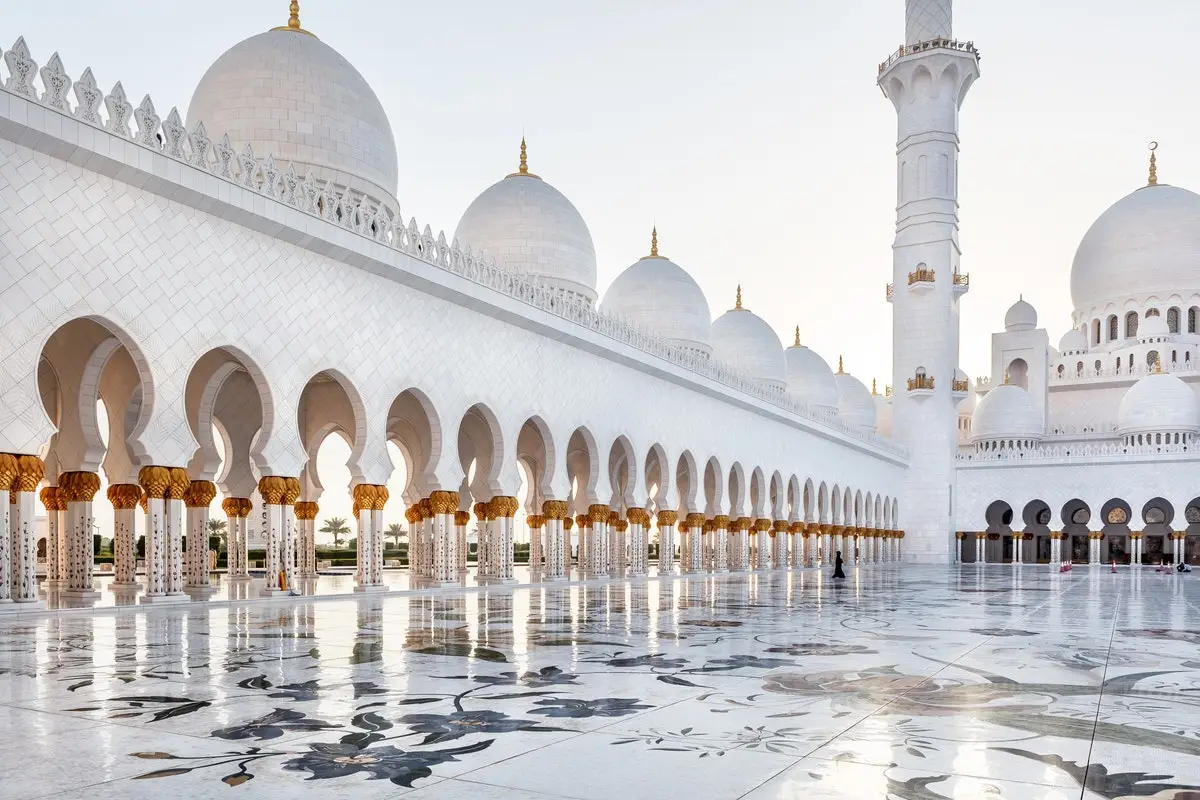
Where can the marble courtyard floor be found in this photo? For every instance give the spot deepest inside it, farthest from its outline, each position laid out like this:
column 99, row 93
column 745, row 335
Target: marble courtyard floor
column 904, row 682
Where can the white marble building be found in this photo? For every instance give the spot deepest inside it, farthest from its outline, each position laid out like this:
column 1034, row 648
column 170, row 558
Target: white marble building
column 250, row 270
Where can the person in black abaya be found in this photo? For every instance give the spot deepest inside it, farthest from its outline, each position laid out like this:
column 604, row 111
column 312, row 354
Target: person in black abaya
column 837, row 566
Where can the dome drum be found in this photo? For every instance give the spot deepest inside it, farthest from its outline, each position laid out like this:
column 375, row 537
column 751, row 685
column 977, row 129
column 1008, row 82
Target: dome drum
column 1158, row 405
column 1006, row 414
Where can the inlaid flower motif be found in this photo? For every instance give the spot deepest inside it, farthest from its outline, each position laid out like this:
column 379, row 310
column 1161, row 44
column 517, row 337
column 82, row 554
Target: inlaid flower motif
column 650, row 660
column 820, row 649
column 580, row 709
column 908, row 694
column 743, row 662
column 445, row 727
column 546, row 676
column 401, row 767
column 273, row 725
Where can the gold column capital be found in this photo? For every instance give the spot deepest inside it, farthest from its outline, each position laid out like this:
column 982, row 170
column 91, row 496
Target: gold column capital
column 503, row 506
column 554, row 509
column 667, row 519
column 49, row 497
column 694, row 520
column 200, row 494
column 155, row 481
column 75, row 486
column 441, row 502
column 462, row 518
column 8, row 471
column 124, row 496
column 621, row 525
column 721, row 522
column 598, row 513
column 271, row 488
column 307, row 509
column 535, row 521
column 291, row 491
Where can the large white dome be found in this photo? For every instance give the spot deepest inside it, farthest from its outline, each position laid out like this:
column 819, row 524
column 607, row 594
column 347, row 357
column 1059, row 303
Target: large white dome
column 289, row 95
column 744, row 340
column 1159, row 403
column 1148, row 242
column 856, row 406
column 1073, row 341
column 658, row 295
column 809, row 378
column 1021, row 316
column 530, row 227
column 1007, row 412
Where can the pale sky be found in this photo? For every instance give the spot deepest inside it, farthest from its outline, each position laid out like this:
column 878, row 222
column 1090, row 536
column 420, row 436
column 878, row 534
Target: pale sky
column 751, row 132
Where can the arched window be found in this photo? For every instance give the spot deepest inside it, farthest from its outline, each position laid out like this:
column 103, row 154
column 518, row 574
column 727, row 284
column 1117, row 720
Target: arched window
column 1061, row 370
column 1095, row 331
column 1118, row 365
column 1151, row 312
column 1187, row 357
column 1131, row 324
column 1098, row 366
column 1192, row 313
column 1173, row 320
column 1131, row 363
column 1018, row 373
column 1173, row 358
column 1112, row 328
column 1151, row 359
column 1079, row 369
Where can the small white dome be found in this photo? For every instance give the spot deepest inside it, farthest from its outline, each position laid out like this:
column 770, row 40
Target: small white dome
column 1159, row 403
column 1021, row 316
column 856, row 405
column 531, row 228
column 809, row 378
column 745, row 341
column 1153, row 327
column 1007, row 412
column 883, row 415
column 289, row 95
column 658, row 295
column 1148, row 242
column 1073, row 341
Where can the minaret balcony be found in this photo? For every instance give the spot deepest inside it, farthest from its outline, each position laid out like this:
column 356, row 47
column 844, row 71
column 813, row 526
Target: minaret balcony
column 922, row 280
column 926, row 46
column 960, row 389
column 920, row 385
column 962, row 284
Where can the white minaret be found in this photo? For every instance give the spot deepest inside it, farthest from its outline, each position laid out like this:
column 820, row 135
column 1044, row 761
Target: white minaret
column 926, row 80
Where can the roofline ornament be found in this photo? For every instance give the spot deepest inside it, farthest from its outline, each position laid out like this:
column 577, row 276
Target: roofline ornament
column 523, row 165
column 293, row 23
column 1153, row 181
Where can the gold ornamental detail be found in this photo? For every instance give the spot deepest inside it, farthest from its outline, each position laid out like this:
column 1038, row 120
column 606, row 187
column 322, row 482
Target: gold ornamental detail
column 8, row 471
column 621, row 525
column 741, row 524
column 271, row 488
column 481, row 511
column 180, row 484
column 503, row 506
column 762, row 525
column 49, row 498
column 462, row 518
column 307, row 509
column 721, row 522
column 613, row 518
column 200, row 494
column 694, row 520
column 77, row 487
column 555, row 509
column 598, row 513
column 125, row 496
column 667, row 519
column 638, row 516
column 154, row 481
column 412, row 514
column 535, row 521
column 291, row 491
column 443, row 502
column 583, row 520
column 30, row 471
column 567, row 523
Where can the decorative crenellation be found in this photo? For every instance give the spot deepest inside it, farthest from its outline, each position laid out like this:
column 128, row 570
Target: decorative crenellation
column 1077, row 451
column 367, row 217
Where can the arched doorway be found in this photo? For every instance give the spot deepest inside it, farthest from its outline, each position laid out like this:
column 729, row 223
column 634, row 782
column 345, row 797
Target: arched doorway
column 1035, row 548
column 1076, row 516
column 1115, row 546
column 999, row 517
column 1157, row 515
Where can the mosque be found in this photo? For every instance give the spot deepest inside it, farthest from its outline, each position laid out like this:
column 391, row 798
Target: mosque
column 192, row 305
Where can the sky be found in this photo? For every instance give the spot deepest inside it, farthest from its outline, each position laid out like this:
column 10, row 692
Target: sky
column 751, row 133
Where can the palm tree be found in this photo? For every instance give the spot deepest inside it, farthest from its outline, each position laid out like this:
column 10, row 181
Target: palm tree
column 336, row 526
column 218, row 528
column 395, row 531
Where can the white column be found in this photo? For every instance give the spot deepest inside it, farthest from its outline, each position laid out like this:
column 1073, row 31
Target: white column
column 764, row 544
column 825, row 556
column 306, row 539
column 200, row 496
column 443, row 506
column 124, row 498
column 378, row 501
column 288, row 532
column 552, row 513
column 614, row 550
column 23, row 526
column 272, row 488
column 8, row 475
column 49, row 498
column 155, row 482
column 695, row 543
column 79, row 489
column 666, row 541
column 369, row 575
column 980, row 548
column 237, row 559
column 568, row 523
column 462, row 546
column 639, row 540
column 597, row 538
column 173, row 506
column 503, row 508
column 720, row 543
column 483, row 522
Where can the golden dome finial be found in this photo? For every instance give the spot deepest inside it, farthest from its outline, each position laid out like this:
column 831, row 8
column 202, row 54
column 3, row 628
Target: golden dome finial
column 739, row 298
column 293, row 23
column 874, row 390
column 1006, row 377
column 841, row 369
column 654, row 242
column 523, row 168
column 1153, row 165
column 797, row 344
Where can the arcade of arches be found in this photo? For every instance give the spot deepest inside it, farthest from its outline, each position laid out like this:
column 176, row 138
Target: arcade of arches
column 97, row 390
column 1151, row 533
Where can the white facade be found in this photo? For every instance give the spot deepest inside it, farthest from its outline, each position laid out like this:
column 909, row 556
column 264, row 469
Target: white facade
column 190, row 280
